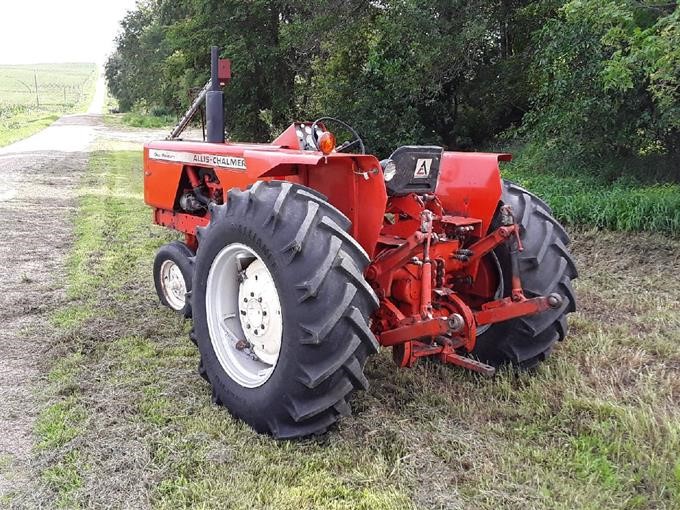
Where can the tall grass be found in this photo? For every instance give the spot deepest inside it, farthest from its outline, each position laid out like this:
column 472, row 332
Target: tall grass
column 624, row 204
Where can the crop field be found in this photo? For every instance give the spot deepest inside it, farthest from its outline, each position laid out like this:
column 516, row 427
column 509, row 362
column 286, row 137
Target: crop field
column 127, row 422
column 25, row 109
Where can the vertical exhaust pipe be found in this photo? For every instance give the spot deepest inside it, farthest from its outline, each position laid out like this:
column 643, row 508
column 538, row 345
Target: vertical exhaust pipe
column 214, row 102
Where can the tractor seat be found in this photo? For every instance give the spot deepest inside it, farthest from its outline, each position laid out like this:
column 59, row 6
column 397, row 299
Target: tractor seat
column 412, row 169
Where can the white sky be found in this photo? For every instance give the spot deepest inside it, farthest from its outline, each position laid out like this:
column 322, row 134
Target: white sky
column 55, row 31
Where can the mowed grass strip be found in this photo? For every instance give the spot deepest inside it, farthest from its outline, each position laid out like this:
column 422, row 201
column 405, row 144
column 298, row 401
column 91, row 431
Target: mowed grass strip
column 62, row 89
column 130, row 422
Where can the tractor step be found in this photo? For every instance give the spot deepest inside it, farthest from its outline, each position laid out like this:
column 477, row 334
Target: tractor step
column 470, row 364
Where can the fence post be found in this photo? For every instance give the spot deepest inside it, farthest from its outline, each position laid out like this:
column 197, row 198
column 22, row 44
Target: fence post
column 35, row 79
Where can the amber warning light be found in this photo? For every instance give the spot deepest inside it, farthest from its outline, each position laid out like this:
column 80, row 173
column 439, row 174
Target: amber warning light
column 327, row 142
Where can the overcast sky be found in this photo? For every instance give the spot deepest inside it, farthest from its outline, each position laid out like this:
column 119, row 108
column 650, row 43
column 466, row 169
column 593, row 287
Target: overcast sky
column 54, row 31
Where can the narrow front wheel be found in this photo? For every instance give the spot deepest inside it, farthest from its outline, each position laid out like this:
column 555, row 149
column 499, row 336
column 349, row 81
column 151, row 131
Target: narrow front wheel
column 173, row 274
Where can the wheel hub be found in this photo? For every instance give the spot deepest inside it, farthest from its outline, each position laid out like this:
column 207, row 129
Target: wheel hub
column 244, row 315
column 258, row 302
column 174, row 286
column 255, row 315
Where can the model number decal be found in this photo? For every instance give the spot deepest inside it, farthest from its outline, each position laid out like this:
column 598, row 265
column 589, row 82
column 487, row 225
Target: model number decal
column 219, row 160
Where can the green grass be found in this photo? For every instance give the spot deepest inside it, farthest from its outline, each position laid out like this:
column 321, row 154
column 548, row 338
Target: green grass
column 59, row 423
column 142, row 120
column 65, row 478
column 128, row 421
column 624, row 204
column 62, row 89
column 21, row 125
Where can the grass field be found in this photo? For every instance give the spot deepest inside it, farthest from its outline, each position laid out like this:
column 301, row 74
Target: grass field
column 580, row 198
column 128, row 422
column 61, row 89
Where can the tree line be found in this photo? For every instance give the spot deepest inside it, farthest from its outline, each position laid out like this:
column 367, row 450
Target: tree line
column 579, row 80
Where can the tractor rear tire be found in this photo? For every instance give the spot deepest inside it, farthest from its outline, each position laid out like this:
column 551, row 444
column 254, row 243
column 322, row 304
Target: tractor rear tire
column 172, row 274
column 546, row 266
column 298, row 244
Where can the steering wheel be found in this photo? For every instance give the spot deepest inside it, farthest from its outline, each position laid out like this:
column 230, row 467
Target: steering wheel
column 344, row 147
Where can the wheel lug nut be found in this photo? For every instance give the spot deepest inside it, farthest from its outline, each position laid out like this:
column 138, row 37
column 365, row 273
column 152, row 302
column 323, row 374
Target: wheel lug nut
column 247, row 326
column 259, row 300
column 243, row 312
column 264, row 312
column 252, row 294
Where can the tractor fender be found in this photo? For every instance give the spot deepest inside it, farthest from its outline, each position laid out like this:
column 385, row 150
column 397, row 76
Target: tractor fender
column 470, row 184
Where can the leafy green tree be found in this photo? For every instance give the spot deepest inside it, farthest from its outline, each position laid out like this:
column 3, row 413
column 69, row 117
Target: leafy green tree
column 424, row 71
column 585, row 81
column 404, row 71
column 606, row 73
column 128, row 77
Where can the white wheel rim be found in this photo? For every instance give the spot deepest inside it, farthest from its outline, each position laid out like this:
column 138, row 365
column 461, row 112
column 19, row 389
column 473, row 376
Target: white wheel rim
column 244, row 318
column 173, row 285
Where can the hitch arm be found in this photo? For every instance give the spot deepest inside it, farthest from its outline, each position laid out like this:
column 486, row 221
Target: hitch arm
column 426, row 328
column 506, row 309
column 382, row 269
column 491, row 241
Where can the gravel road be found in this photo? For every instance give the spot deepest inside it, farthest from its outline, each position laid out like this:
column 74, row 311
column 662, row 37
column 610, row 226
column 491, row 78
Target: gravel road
column 39, row 177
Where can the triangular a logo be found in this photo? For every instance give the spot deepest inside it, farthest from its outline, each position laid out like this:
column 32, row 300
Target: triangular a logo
column 423, row 168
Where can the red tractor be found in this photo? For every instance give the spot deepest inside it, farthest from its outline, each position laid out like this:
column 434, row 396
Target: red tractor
column 301, row 258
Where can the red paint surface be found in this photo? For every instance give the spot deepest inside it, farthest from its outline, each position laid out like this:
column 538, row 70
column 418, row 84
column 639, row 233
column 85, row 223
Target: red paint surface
column 416, row 272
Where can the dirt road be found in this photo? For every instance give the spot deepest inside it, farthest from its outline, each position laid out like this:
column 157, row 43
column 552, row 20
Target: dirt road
column 38, row 175
column 39, row 178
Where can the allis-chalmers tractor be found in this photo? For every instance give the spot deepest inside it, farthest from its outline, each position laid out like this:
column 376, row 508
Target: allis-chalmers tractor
column 302, row 258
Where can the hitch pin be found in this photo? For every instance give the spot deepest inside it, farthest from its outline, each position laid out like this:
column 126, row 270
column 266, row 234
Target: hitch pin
column 520, row 247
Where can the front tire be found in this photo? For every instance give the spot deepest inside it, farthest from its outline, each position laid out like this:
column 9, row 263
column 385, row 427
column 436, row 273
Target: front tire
column 172, row 274
column 300, row 385
column 546, row 266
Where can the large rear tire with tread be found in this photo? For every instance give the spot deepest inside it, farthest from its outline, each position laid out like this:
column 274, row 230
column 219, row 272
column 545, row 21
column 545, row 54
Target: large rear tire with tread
column 546, row 266
column 325, row 303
